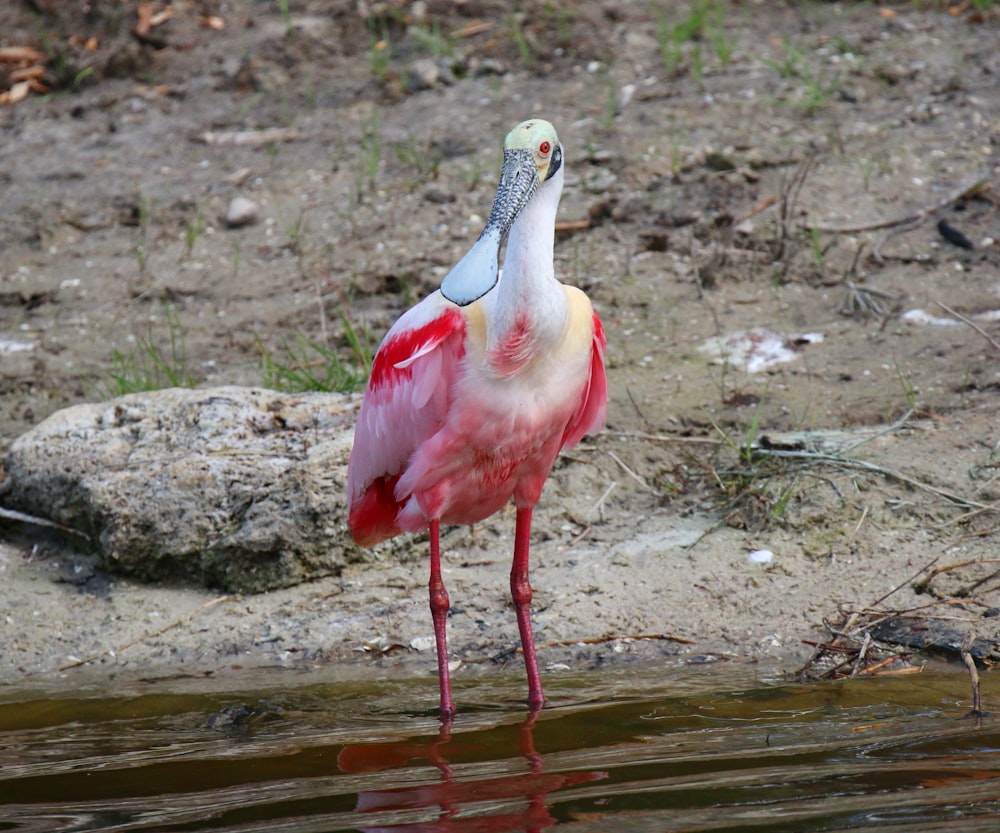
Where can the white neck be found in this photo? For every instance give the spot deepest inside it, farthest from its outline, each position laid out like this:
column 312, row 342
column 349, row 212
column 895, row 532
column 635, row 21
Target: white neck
column 528, row 289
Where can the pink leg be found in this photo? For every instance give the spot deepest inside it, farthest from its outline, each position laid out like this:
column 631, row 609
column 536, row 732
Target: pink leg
column 439, row 615
column 520, row 589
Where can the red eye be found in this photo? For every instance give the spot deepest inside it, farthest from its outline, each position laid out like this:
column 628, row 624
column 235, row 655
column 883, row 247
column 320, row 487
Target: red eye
column 544, row 148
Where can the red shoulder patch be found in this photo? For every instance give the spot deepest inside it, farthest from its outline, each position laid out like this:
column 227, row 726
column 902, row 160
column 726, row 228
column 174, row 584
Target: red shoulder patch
column 392, row 360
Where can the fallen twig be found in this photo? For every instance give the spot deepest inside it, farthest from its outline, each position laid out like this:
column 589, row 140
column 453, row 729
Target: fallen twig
column 973, row 324
column 599, row 506
column 877, row 248
column 970, row 664
column 898, row 672
column 889, row 429
column 21, row 54
column 638, row 479
column 989, row 507
column 600, row 640
column 761, row 207
column 473, row 27
column 882, row 637
column 914, row 217
column 24, row 517
column 573, row 225
column 849, row 462
column 579, row 537
column 905, row 582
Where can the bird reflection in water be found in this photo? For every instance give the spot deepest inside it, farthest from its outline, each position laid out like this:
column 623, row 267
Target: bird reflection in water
column 453, row 794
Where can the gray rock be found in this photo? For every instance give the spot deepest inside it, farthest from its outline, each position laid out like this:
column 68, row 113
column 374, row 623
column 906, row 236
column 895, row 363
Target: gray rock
column 230, row 487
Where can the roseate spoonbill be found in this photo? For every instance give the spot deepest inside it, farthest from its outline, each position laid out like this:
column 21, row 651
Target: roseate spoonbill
column 474, row 391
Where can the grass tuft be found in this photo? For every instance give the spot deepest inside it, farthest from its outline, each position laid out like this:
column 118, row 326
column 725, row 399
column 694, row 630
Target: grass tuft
column 753, row 489
column 680, row 39
column 308, row 365
column 815, row 91
column 149, row 367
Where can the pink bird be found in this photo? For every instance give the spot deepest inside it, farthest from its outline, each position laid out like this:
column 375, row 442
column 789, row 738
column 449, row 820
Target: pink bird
column 475, row 390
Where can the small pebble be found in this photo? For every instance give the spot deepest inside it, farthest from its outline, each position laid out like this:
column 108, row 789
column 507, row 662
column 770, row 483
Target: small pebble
column 760, row 557
column 241, row 212
column 422, row 643
column 424, row 73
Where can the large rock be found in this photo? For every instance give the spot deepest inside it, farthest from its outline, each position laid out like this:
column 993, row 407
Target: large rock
column 230, row 487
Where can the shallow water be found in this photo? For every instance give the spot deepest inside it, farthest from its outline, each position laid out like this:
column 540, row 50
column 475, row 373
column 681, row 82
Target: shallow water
column 652, row 750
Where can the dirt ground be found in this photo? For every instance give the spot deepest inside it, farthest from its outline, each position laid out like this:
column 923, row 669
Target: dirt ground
column 820, row 176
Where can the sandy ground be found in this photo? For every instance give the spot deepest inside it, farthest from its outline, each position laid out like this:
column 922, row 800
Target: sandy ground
column 784, row 168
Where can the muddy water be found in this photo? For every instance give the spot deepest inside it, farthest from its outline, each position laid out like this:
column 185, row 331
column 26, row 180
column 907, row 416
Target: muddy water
column 661, row 749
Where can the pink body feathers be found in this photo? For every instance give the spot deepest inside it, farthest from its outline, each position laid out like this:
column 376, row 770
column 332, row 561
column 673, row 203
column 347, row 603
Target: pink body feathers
column 447, row 432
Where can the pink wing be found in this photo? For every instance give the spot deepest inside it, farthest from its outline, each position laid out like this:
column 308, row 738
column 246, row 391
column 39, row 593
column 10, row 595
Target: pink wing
column 406, row 402
column 590, row 416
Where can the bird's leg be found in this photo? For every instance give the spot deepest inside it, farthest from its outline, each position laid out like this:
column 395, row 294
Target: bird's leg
column 439, row 614
column 520, row 589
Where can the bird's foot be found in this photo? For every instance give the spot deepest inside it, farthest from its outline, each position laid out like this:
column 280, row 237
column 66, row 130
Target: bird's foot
column 536, row 702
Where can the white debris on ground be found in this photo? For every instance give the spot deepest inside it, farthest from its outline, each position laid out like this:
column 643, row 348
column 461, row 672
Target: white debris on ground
column 7, row 346
column 757, row 349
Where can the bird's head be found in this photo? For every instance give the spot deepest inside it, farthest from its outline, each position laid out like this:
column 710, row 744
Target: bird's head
column 532, row 155
column 532, row 147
